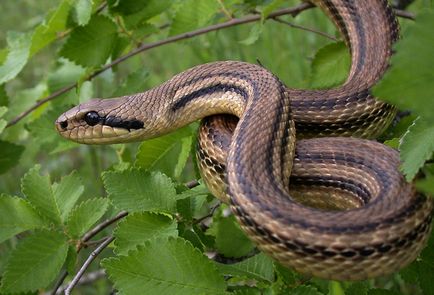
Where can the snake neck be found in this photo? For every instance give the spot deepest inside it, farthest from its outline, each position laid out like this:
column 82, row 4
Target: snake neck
column 226, row 87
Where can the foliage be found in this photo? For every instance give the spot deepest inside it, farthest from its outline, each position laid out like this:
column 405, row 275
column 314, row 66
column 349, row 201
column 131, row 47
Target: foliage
column 168, row 236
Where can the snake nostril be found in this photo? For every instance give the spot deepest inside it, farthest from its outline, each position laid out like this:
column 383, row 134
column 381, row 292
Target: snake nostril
column 63, row 124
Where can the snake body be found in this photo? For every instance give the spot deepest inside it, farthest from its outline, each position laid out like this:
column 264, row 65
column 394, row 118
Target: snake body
column 332, row 207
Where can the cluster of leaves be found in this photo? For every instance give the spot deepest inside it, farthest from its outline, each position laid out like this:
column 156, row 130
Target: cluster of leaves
column 173, row 239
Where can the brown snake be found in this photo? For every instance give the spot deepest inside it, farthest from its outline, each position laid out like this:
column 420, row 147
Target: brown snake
column 332, row 207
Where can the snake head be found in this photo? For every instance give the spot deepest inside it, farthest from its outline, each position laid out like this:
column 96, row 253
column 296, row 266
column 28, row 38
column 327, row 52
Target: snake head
column 101, row 121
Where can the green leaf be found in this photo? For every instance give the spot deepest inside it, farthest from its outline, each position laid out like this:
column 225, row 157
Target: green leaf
column 426, row 185
column 254, row 34
column 137, row 12
column 134, row 83
column 71, row 259
column 85, row 215
column 85, row 91
column 425, row 271
column 330, row 66
column 358, row 288
column 200, row 190
column 162, row 152
column 83, row 11
column 42, row 130
column 335, row 288
column 408, row 83
column 230, row 239
column 136, row 190
column 92, row 44
column 193, row 14
column 305, row 290
column 38, row 191
column 137, row 228
column 269, row 8
column 16, row 216
column 54, row 23
column 67, row 192
column 65, row 74
column 416, row 146
column 170, row 266
column 258, row 267
column 19, row 47
column 9, row 156
column 35, row 263
column 4, row 99
column 3, row 123
column 127, row 7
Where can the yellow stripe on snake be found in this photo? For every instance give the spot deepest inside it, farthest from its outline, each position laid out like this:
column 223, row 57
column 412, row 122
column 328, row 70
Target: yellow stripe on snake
column 332, row 207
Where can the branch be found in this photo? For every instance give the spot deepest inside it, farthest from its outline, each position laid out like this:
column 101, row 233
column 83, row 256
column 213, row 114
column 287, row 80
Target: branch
column 93, row 232
column 86, row 264
column 304, row 28
column 404, row 14
column 86, row 279
column 233, row 22
column 97, row 229
column 192, row 183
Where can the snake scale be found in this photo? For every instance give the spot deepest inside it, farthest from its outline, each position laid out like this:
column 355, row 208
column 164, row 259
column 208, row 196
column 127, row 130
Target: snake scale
column 327, row 204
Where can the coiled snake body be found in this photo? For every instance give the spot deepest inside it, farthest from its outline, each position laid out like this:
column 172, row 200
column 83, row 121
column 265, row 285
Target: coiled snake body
column 332, row 207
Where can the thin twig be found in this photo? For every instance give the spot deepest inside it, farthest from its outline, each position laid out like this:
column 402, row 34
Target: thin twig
column 304, row 28
column 86, row 264
column 404, row 14
column 97, row 229
column 192, row 183
column 59, row 283
column 90, row 234
column 93, row 243
column 86, row 237
column 86, row 279
column 233, row 22
column 210, row 214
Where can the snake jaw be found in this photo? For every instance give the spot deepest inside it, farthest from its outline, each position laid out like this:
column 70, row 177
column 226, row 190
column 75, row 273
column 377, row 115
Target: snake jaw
column 99, row 121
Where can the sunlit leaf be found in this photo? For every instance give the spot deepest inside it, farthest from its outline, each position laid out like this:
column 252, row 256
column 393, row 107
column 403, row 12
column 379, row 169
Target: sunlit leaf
column 38, row 191
column 48, row 31
column 330, row 66
column 91, row 45
column 35, row 263
column 416, row 146
column 18, row 54
column 140, row 227
column 164, row 267
column 167, row 154
column 258, row 267
column 16, row 216
column 136, row 190
column 83, row 11
column 193, row 14
column 408, row 82
column 85, row 215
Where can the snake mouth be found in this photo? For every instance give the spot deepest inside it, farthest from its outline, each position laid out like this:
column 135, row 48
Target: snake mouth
column 92, row 128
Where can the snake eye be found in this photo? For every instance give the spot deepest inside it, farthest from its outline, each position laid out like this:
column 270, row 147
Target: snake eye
column 92, row 118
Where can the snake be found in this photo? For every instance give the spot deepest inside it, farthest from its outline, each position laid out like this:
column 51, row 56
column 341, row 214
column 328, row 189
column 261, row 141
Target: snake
column 300, row 169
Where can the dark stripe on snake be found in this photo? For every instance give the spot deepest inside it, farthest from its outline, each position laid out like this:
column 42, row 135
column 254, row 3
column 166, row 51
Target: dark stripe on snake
column 120, row 123
column 220, row 88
